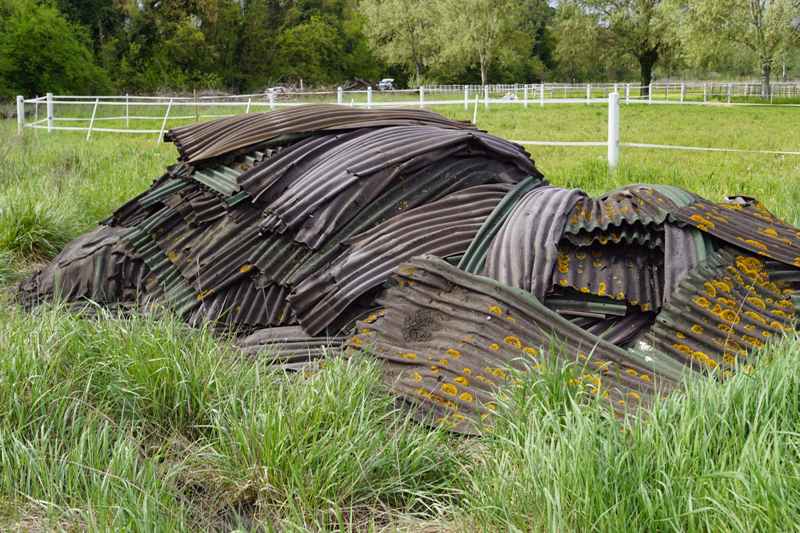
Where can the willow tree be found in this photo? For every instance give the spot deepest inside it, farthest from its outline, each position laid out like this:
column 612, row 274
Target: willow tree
column 401, row 32
column 637, row 28
column 480, row 32
column 768, row 28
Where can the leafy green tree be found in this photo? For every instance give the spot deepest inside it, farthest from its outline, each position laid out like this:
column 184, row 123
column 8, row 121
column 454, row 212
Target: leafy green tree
column 769, row 29
column 41, row 51
column 480, row 32
column 640, row 29
column 401, row 32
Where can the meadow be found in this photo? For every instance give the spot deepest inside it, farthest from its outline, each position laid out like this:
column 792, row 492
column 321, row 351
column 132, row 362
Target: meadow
column 144, row 424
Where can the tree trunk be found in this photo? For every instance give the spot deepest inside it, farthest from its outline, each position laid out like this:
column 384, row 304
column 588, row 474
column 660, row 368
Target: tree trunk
column 766, row 71
column 483, row 71
column 647, row 61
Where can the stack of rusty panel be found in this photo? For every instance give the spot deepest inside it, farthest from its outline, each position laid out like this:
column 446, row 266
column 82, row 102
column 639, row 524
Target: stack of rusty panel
column 636, row 292
column 442, row 251
column 292, row 219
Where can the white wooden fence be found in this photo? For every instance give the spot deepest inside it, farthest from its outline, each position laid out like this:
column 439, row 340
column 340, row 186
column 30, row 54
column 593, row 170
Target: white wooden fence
column 71, row 113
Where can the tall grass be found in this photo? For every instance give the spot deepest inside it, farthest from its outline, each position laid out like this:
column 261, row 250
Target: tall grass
column 144, row 424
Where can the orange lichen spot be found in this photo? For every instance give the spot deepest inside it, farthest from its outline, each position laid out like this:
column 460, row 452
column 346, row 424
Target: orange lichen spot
column 443, row 361
column 620, row 295
column 786, row 304
column 703, row 358
column 621, row 402
column 755, row 244
column 173, row 256
column 584, row 290
column 769, row 232
column 449, row 389
column 645, row 377
column 530, row 350
column 511, row 319
column 697, row 328
column 755, row 301
column 466, row 370
column 496, row 372
column 494, row 347
column 452, row 352
column 729, row 358
column 766, row 334
column 371, row 318
column 601, row 289
column 777, row 325
column 703, row 224
column 796, row 261
column 357, row 341
column 732, row 317
column 202, row 295
column 407, row 270
column 563, row 282
column 580, row 256
column 725, row 328
column 511, row 340
column 711, row 291
column 244, row 269
column 646, row 307
column 461, row 380
column 631, row 372
column 635, row 395
column 749, row 264
column 417, row 377
column 434, row 369
column 702, row 302
column 752, row 341
column 562, row 263
column 466, row 397
column 757, row 317
column 680, row 335
column 682, row 348
column 495, row 310
column 409, row 356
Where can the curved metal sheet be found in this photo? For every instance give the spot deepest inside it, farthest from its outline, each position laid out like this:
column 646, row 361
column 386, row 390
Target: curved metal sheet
column 449, row 339
column 749, row 228
column 524, row 251
column 443, row 228
column 199, row 142
column 723, row 309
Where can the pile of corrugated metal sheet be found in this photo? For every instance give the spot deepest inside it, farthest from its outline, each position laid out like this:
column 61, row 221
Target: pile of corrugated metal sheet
column 440, row 250
column 635, row 292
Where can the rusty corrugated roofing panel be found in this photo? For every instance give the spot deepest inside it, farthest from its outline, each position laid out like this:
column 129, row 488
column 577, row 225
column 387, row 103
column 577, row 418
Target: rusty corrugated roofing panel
column 684, row 248
column 524, row 251
column 289, row 347
column 448, row 339
column 443, row 228
column 747, row 228
column 623, row 273
column 316, row 201
column 724, row 308
column 203, row 141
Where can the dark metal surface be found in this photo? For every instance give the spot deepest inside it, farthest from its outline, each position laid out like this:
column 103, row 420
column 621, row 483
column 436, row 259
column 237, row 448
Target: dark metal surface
column 449, row 339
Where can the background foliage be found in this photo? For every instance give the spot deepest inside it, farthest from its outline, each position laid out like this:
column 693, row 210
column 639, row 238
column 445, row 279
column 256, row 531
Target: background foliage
column 147, row 46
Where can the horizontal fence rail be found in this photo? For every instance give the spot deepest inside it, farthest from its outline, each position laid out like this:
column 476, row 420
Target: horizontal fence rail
column 122, row 114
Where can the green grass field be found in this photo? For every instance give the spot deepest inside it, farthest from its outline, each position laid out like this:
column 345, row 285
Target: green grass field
column 144, row 424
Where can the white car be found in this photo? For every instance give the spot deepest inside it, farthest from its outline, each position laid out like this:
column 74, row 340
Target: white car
column 386, row 84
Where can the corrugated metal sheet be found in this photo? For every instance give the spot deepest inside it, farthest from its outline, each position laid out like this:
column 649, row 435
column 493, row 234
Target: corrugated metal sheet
column 288, row 346
column 524, row 251
column 624, row 273
column 449, row 339
column 443, row 228
column 748, row 228
column 722, row 310
column 207, row 140
column 684, row 248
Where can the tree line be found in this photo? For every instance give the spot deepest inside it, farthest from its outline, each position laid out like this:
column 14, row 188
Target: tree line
column 147, row 46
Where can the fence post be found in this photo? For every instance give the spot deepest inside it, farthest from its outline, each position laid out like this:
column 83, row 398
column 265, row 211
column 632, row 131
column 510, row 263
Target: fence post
column 486, row 97
column 588, row 92
column 339, row 96
column 20, row 114
column 422, row 96
column 613, row 130
column 164, row 123
column 627, row 93
column 369, row 97
column 247, row 109
column 91, row 122
column 683, row 91
column 729, row 93
column 272, row 101
column 650, row 93
column 466, row 97
column 541, row 94
column 50, row 112
column 127, row 112
column 525, row 95
column 705, row 93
